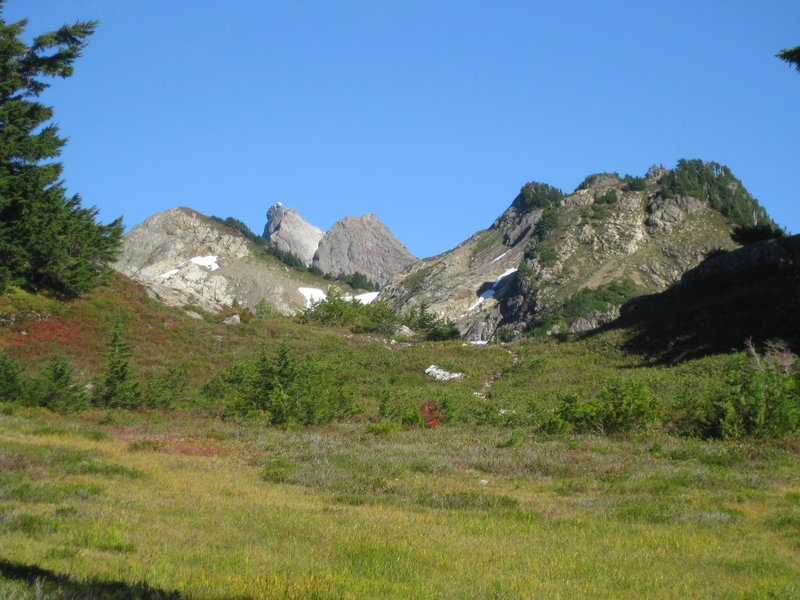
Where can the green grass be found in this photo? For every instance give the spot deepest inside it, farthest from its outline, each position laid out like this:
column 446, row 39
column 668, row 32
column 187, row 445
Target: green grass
column 228, row 511
column 182, row 504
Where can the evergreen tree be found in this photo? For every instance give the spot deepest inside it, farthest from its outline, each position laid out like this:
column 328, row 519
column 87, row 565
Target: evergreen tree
column 47, row 240
column 791, row 55
column 119, row 389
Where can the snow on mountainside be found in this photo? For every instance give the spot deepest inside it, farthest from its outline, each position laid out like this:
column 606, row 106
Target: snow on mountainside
column 185, row 258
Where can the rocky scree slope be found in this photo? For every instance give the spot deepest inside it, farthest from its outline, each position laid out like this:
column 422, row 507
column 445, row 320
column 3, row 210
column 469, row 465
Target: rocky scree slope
column 548, row 250
column 187, row 259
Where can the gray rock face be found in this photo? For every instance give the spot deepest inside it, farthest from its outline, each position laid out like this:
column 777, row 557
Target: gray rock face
column 185, row 258
column 363, row 245
column 292, row 233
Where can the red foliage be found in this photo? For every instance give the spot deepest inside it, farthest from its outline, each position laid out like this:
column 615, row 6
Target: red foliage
column 430, row 413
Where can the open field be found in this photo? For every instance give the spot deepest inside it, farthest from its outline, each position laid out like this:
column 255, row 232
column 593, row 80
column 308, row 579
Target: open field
column 182, row 503
column 166, row 502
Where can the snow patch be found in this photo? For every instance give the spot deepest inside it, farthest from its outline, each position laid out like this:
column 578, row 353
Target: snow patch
column 312, row 295
column 478, row 342
column 209, row 262
column 492, row 290
column 499, row 257
column 505, row 274
column 169, row 273
column 440, row 374
column 365, row 298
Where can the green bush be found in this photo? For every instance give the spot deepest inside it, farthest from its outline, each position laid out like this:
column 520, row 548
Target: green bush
column 56, row 389
column 610, row 197
column 334, row 311
column 535, row 195
column 583, row 302
column 620, row 407
column 164, row 391
column 282, row 389
column 635, row 184
column 749, row 401
column 429, row 326
column 546, row 223
column 10, row 379
column 547, row 255
column 505, row 334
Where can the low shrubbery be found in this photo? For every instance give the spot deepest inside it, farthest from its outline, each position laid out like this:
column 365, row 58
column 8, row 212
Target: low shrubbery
column 376, row 317
column 282, row 390
column 56, row 386
column 622, row 406
column 751, row 401
column 583, row 302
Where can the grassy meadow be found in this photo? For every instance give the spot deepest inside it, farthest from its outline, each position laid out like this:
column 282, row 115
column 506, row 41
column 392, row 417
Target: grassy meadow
column 185, row 503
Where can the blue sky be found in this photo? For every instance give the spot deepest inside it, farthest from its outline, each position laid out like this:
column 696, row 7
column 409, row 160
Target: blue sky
column 430, row 113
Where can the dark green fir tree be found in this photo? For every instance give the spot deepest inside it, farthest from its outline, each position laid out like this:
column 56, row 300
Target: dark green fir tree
column 48, row 241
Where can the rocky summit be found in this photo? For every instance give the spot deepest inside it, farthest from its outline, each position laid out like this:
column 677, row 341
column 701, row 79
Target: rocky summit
column 364, row 245
column 292, row 233
column 186, row 259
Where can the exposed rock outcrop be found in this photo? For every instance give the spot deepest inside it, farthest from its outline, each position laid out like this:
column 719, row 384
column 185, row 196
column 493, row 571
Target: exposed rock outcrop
column 185, row 258
column 292, row 233
column 602, row 233
column 364, row 245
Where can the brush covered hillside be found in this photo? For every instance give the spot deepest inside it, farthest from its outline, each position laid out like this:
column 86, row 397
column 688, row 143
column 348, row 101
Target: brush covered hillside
column 149, row 454
column 552, row 260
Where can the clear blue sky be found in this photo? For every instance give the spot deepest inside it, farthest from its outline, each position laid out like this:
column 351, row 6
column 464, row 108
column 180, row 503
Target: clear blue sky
column 430, row 113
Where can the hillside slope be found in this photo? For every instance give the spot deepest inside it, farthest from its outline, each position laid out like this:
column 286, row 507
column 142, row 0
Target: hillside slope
column 611, row 238
column 185, row 258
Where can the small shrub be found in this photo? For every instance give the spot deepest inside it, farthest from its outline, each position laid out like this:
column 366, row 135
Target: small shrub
column 56, row 388
column 610, row 197
column 377, row 317
column 505, row 334
column 277, row 469
column 635, row 184
column 546, row 223
column 750, row 401
column 382, row 427
column 545, row 254
column 431, row 414
column 282, row 390
column 10, row 379
column 164, row 391
column 620, row 407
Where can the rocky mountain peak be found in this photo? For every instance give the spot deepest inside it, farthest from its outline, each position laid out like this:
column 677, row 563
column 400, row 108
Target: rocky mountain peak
column 292, row 233
column 365, row 245
column 184, row 258
column 550, row 260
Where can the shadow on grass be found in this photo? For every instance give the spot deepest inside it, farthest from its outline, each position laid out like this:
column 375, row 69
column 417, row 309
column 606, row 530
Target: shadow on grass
column 63, row 587
column 713, row 315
